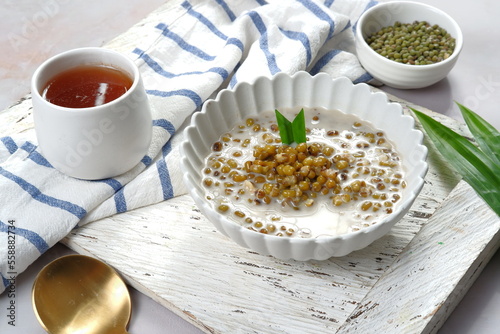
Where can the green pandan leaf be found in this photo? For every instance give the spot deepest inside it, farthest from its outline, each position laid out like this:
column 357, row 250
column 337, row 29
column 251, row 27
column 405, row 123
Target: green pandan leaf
column 487, row 137
column 475, row 166
column 285, row 127
column 299, row 128
column 294, row 131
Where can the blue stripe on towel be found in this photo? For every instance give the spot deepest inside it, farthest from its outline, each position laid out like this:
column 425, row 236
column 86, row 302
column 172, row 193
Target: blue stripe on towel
column 147, row 160
column 181, row 92
column 33, row 237
column 34, row 155
column 158, row 69
column 203, row 20
column 115, row 184
column 233, row 80
column 183, row 44
column 119, row 197
column 165, row 124
column 363, row 78
column 166, row 185
column 161, row 165
column 226, row 8
column 163, row 173
column 152, row 63
column 212, row 27
column 219, row 70
column 322, row 15
column 264, row 43
column 34, row 192
column 236, row 42
column 347, row 26
column 329, row 3
column 5, row 281
column 261, row 2
column 301, row 37
column 120, row 201
column 10, row 144
column 323, row 61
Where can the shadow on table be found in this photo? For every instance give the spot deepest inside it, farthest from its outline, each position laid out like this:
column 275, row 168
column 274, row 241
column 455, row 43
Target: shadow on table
column 437, row 97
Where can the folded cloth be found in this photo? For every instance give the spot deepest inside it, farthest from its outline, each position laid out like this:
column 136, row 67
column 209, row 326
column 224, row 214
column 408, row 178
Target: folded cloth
column 212, row 44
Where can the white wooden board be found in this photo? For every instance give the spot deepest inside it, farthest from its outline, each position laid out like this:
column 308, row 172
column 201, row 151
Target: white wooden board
column 409, row 281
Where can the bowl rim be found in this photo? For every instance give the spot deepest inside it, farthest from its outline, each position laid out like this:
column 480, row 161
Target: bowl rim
column 370, row 11
column 318, row 240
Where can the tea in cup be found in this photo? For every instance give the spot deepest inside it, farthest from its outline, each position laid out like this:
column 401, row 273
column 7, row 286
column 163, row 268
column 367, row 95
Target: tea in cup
column 91, row 112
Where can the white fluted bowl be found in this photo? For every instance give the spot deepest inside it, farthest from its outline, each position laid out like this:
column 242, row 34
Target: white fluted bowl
column 283, row 91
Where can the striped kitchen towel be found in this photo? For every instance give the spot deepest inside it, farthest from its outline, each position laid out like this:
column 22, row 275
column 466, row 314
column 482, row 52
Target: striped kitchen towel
column 204, row 46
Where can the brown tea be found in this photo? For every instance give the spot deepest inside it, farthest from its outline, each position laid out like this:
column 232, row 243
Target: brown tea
column 86, row 86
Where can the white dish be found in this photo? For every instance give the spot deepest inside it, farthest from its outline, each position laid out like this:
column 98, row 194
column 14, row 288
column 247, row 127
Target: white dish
column 283, row 91
column 398, row 75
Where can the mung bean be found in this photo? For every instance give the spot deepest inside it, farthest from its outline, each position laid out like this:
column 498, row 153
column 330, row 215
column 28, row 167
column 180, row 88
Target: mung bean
column 417, row 43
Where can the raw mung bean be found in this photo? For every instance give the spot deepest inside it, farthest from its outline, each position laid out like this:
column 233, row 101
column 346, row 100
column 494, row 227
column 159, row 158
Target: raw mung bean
column 417, row 43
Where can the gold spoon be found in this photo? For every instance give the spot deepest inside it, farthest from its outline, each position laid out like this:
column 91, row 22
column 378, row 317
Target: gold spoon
column 79, row 294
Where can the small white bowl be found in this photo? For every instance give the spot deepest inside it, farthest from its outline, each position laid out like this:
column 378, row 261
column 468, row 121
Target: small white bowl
column 399, row 75
column 283, row 91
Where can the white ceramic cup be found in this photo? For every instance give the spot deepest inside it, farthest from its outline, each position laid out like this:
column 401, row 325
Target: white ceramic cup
column 96, row 142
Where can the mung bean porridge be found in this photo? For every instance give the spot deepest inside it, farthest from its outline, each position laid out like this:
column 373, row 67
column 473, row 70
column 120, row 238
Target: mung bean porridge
column 347, row 175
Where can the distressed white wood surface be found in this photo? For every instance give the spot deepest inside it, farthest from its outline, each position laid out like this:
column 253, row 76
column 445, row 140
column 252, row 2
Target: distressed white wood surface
column 427, row 279
column 406, row 282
